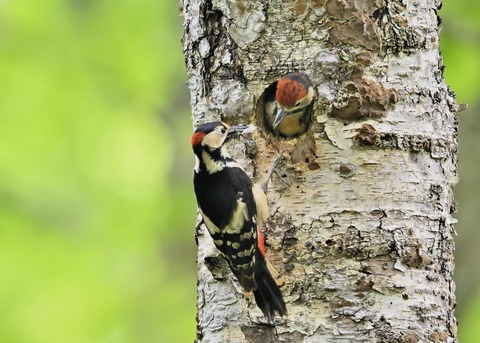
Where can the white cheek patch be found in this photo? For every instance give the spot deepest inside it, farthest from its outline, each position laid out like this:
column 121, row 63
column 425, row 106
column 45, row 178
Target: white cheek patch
column 214, row 140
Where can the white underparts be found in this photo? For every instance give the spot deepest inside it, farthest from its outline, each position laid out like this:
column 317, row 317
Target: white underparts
column 261, row 203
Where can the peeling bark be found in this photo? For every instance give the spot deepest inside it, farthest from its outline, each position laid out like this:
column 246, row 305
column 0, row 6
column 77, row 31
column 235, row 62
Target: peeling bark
column 364, row 243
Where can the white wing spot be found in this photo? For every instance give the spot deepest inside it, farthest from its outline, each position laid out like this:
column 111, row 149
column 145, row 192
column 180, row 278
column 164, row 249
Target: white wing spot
column 212, row 228
column 238, row 218
column 246, row 235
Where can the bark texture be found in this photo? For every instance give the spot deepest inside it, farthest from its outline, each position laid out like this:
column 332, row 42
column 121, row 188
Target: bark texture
column 361, row 225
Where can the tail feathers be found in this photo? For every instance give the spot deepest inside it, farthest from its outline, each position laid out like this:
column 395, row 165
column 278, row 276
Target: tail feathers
column 267, row 293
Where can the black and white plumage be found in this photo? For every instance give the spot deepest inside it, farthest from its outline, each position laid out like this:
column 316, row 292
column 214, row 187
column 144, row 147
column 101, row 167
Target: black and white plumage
column 232, row 207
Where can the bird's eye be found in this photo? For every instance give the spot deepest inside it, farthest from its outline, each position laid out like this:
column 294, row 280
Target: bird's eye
column 298, row 103
column 223, row 130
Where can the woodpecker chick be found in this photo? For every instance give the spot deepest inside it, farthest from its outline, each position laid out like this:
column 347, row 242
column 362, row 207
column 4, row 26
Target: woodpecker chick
column 233, row 207
column 288, row 110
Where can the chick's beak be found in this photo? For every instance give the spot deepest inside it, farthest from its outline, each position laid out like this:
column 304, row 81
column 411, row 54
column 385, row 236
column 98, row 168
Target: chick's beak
column 279, row 117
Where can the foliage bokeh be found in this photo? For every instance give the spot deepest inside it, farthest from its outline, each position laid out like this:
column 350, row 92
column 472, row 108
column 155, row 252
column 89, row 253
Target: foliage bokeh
column 96, row 234
column 460, row 46
column 96, row 206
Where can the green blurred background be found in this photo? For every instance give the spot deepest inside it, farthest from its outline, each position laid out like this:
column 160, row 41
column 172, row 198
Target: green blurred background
column 96, row 206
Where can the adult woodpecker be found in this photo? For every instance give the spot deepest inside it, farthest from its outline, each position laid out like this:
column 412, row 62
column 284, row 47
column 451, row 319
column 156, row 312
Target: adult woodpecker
column 287, row 106
column 233, row 208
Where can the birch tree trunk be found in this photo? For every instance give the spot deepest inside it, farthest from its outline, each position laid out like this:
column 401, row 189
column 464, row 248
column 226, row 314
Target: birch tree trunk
column 361, row 225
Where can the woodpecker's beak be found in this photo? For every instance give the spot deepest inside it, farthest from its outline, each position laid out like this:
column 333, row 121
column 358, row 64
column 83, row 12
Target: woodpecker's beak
column 279, row 117
column 236, row 131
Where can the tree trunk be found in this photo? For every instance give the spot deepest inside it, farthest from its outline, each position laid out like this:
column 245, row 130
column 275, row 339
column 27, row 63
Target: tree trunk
column 361, row 225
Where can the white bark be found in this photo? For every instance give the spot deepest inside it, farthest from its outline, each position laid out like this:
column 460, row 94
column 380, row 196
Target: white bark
column 364, row 243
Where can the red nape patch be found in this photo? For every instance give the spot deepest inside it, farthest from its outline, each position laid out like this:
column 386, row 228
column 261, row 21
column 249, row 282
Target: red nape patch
column 197, row 138
column 289, row 92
